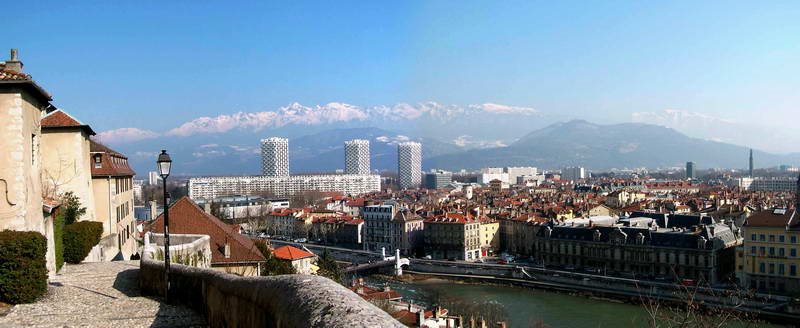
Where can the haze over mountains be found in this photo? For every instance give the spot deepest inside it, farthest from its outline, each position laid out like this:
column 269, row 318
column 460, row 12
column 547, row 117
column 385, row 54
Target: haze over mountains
column 576, row 142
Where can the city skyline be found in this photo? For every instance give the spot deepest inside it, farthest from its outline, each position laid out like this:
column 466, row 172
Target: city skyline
column 330, row 164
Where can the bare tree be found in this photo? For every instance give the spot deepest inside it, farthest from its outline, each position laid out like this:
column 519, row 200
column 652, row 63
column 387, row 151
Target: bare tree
column 691, row 311
column 56, row 177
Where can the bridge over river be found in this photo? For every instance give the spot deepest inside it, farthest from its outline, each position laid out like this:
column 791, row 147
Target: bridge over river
column 362, row 260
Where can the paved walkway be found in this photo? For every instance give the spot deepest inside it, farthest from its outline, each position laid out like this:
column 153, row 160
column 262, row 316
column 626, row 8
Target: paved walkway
column 99, row 295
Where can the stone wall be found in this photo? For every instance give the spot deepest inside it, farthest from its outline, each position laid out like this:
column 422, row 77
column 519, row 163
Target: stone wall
column 276, row 301
column 187, row 249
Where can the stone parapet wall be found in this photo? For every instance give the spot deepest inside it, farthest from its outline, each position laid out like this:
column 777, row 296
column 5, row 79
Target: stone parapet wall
column 277, row 301
column 188, row 249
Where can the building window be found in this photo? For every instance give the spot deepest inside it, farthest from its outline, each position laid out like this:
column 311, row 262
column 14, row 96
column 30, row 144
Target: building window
column 772, row 251
column 762, row 237
column 772, row 268
column 753, row 250
column 793, row 252
column 792, row 270
column 781, row 270
column 781, row 238
column 761, row 267
column 753, row 237
column 98, row 163
column 771, row 238
column 781, row 252
column 793, row 239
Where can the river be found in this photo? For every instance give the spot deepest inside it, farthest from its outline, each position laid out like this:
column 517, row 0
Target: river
column 526, row 306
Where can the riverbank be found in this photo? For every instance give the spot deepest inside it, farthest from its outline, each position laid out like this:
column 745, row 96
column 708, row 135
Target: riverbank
column 765, row 307
column 522, row 301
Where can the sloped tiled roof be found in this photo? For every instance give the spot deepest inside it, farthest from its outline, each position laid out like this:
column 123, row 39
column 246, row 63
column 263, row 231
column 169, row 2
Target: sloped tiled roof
column 60, row 119
column 290, row 253
column 770, row 218
column 112, row 162
column 9, row 75
column 186, row 217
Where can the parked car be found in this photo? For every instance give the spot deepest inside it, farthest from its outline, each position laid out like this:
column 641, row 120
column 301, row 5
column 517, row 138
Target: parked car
column 301, row 240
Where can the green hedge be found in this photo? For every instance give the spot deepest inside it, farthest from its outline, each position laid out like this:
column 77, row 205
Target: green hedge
column 79, row 238
column 58, row 240
column 23, row 267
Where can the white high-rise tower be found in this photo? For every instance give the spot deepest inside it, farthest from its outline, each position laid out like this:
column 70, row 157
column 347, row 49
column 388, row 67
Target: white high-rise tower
column 275, row 157
column 356, row 156
column 409, row 164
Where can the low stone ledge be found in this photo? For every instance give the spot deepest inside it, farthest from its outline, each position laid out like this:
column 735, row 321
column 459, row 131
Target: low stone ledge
column 278, row 301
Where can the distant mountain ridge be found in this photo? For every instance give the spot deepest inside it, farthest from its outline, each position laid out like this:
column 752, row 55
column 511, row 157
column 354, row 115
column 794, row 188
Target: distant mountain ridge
column 597, row 146
column 576, row 142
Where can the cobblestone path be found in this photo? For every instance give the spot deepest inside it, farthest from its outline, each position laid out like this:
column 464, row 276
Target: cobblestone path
column 99, row 295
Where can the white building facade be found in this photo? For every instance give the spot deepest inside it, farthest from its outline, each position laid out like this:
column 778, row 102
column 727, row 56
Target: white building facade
column 275, row 157
column 348, row 184
column 152, row 178
column 356, row 156
column 409, row 164
column 786, row 184
column 573, row 173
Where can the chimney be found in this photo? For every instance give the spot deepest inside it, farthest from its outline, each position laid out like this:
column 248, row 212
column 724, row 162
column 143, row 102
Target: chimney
column 227, row 249
column 14, row 64
column 421, row 317
column 207, row 207
column 153, row 210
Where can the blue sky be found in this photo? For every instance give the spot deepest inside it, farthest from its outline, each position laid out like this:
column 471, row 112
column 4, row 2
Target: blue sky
column 156, row 65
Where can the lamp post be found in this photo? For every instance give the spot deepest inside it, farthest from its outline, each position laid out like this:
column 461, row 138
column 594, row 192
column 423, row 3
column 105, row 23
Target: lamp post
column 164, row 164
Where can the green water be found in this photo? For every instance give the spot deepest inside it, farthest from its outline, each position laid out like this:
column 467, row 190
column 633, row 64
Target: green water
column 525, row 306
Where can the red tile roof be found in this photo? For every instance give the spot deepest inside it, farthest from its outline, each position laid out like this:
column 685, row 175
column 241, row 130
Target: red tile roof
column 13, row 77
column 358, row 202
column 291, row 253
column 9, row 75
column 186, row 217
column 770, row 218
column 112, row 163
column 59, row 119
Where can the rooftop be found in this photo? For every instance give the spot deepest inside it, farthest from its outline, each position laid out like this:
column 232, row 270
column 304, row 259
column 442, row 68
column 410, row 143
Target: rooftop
column 291, row 253
column 186, row 217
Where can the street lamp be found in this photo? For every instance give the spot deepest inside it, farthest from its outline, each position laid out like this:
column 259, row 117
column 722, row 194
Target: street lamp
column 164, row 164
